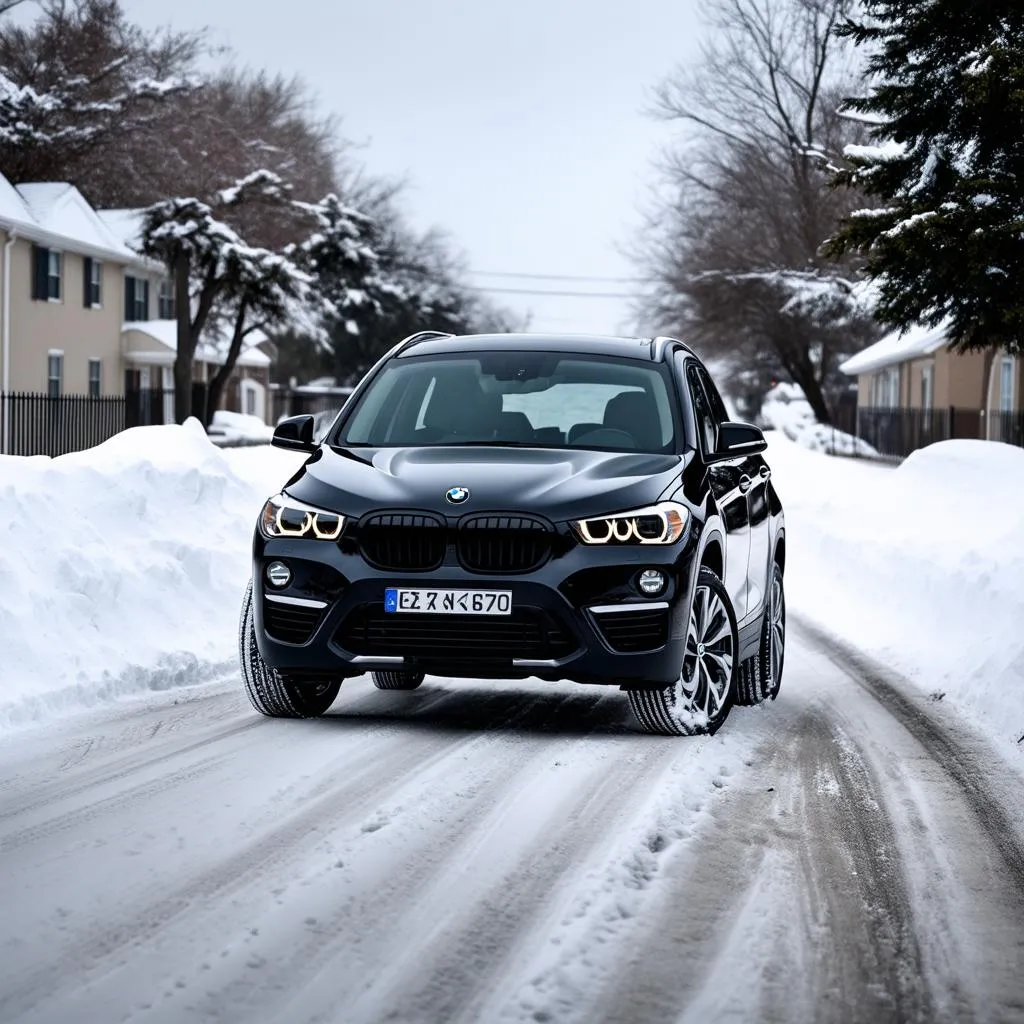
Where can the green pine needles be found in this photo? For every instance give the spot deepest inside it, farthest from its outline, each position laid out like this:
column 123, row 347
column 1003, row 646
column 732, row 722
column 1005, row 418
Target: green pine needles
column 945, row 101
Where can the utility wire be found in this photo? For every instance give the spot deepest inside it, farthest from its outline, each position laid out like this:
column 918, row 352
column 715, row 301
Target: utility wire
column 560, row 294
column 561, row 277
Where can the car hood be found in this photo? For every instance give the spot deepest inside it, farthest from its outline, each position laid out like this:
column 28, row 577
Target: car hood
column 557, row 483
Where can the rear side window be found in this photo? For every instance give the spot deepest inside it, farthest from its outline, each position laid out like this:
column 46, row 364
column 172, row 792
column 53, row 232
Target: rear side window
column 718, row 409
column 703, row 414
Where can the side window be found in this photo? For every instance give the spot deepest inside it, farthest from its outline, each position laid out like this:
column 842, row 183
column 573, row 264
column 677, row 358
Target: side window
column 707, row 428
column 717, row 405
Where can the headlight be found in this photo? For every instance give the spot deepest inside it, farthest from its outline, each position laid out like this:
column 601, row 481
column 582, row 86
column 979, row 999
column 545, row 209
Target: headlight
column 657, row 524
column 285, row 517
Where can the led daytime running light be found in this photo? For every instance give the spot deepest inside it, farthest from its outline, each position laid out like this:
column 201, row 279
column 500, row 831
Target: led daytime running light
column 623, row 528
column 315, row 523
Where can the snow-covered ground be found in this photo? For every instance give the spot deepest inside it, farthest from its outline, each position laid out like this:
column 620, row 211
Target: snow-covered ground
column 121, row 568
column 786, row 410
column 921, row 565
column 231, row 428
column 478, row 851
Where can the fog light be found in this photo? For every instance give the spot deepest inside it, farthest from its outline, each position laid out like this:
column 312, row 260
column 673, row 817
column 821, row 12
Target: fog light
column 278, row 574
column 652, row 582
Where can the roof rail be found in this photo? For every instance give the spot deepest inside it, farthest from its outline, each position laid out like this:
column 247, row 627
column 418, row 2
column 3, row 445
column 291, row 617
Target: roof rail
column 419, row 336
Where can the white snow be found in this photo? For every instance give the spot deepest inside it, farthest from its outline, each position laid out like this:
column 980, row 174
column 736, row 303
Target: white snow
column 786, row 410
column 921, row 565
column 213, row 345
column 122, row 567
column 234, row 427
column 897, row 347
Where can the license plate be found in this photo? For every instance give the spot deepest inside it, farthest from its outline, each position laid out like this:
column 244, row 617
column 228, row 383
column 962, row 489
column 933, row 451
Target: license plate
column 448, row 602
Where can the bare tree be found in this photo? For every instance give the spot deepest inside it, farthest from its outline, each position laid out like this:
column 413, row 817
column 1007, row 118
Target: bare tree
column 83, row 91
column 735, row 248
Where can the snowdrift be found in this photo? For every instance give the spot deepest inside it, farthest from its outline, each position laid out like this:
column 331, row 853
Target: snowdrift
column 122, row 567
column 921, row 565
column 786, row 410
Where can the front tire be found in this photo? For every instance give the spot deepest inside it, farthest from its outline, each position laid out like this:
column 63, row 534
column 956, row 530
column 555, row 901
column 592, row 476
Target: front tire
column 699, row 701
column 269, row 692
column 399, row 680
column 761, row 676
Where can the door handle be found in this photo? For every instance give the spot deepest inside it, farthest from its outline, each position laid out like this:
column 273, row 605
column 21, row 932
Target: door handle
column 745, row 483
column 765, row 472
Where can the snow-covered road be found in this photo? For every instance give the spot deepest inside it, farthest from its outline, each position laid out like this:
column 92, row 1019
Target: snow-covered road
column 515, row 852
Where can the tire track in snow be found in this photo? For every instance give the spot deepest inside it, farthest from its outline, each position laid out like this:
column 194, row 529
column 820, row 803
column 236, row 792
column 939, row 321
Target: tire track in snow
column 825, row 926
column 974, row 771
column 393, row 887
column 447, row 977
column 326, row 805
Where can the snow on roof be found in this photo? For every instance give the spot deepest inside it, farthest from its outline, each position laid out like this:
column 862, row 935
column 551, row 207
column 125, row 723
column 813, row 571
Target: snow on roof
column 61, row 209
column 12, row 206
column 124, row 225
column 897, row 347
column 56, row 213
column 212, row 348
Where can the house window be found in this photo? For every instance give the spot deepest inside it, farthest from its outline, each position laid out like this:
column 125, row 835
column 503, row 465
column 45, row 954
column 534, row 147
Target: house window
column 93, row 278
column 136, row 298
column 165, row 299
column 927, row 386
column 54, row 373
column 47, row 274
column 54, row 274
column 1006, row 384
column 95, row 378
column 887, row 388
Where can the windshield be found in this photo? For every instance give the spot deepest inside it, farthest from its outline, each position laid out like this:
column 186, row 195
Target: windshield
column 549, row 400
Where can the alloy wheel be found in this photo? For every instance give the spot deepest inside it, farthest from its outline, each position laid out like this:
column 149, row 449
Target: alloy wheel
column 777, row 629
column 708, row 659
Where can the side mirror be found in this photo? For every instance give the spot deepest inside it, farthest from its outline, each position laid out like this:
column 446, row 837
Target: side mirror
column 738, row 439
column 295, row 434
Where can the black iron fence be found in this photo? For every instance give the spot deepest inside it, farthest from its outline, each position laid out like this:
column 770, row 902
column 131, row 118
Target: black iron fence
column 36, row 424
column 897, row 432
column 32, row 424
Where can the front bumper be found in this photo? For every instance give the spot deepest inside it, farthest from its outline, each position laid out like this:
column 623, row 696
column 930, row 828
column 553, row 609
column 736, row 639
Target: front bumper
column 578, row 617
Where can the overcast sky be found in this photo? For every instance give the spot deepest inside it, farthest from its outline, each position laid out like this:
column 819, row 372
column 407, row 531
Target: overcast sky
column 519, row 126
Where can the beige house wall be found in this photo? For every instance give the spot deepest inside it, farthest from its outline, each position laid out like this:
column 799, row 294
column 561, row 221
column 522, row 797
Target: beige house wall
column 66, row 325
column 958, row 379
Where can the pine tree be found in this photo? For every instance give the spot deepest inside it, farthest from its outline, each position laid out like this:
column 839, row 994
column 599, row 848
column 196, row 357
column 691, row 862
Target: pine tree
column 946, row 106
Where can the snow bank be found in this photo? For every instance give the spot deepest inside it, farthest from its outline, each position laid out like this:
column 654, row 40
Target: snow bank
column 921, row 565
column 237, row 428
column 122, row 567
column 787, row 410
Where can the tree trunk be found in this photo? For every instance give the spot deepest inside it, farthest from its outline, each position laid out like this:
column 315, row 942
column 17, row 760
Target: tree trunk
column 808, row 380
column 186, row 338
column 216, row 386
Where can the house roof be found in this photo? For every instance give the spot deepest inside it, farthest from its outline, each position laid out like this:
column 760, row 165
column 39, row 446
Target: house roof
column 57, row 214
column 124, row 225
column 212, row 349
column 898, row 347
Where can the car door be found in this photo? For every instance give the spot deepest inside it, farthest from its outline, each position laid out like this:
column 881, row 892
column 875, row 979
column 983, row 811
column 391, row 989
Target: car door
column 754, row 476
column 760, row 534
column 725, row 478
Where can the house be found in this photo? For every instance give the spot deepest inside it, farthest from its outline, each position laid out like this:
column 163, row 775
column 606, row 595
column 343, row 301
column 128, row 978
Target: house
column 911, row 390
column 83, row 314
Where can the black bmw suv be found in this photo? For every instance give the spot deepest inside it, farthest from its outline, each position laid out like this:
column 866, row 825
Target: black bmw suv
column 517, row 505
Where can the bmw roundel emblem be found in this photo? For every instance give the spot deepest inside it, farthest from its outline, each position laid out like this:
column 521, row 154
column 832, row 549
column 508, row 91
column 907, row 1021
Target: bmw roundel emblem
column 457, row 495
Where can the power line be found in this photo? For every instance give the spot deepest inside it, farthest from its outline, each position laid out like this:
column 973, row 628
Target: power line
column 565, row 295
column 560, row 277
